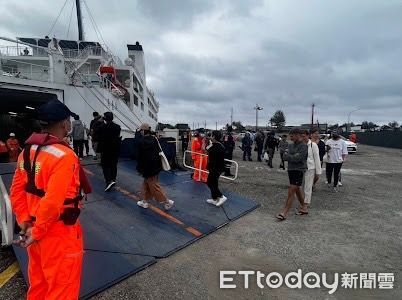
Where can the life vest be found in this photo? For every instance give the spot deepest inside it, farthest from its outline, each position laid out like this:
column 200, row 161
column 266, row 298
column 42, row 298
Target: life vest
column 70, row 214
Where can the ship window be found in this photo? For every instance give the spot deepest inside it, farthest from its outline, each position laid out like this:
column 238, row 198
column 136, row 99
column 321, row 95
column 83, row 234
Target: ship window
column 135, row 100
column 142, row 106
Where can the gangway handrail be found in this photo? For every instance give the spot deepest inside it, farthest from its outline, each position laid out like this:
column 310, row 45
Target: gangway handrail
column 6, row 216
column 205, row 171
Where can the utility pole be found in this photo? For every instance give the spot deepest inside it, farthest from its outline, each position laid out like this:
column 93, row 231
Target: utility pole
column 312, row 115
column 205, row 124
column 257, row 108
column 216, row 125
column 348, row 124
column 231, row 116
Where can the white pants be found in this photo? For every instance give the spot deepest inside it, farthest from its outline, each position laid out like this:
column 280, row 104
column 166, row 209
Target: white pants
column 308, row 185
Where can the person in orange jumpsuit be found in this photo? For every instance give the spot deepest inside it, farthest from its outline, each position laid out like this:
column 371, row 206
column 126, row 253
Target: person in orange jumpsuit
column 14, row 147
column 45, row 197
column 353, row 137
column 199, row 161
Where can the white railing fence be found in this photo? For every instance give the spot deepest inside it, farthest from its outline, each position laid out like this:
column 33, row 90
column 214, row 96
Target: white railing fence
column 205, row 156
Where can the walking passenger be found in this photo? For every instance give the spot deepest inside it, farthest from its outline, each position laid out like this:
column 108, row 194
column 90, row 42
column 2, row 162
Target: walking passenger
column 247, row 143
column 229, row 144
column 149, row 166
column 313, row 168
column 296, row 156
column 315, row 138
column 283, row 146
column 270, row 144
column 45, row 196
column 109, row 147
column 259, row 143
column 199, row 158
column 95, row 124
column 216, row 166
column 78, row 133
column 337, row 152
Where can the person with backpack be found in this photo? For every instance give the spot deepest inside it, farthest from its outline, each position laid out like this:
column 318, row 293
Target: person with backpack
column 78, row 135
column 216, row 166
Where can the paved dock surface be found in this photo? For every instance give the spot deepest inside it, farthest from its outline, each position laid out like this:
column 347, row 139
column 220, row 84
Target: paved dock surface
column 357, row 230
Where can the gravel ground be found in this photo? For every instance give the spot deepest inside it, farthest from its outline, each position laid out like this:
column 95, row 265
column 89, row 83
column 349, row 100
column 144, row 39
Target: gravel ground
column 357, row 230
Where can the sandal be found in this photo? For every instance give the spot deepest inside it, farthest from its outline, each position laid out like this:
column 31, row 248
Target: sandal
column 280, row 217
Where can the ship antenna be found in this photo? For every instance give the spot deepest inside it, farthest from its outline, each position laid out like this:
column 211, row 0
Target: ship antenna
column 79, row 18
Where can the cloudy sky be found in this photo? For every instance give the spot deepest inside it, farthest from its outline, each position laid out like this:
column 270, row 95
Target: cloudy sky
column 205, row 56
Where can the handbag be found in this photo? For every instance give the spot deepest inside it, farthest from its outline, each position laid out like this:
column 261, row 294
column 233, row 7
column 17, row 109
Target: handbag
column 325, row 158
column 266, row 157
column 164, row 160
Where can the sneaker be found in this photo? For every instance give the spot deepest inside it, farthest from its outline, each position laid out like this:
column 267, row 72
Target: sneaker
column 326, row 181
column 335, row 190
column 212, row 201
column 109, row 186
column 221, row 201
column 329, row 185
column 169, row 204
column 143, row 204
column 340, row 183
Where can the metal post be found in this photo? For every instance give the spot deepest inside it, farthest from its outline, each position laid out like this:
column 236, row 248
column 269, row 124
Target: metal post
column 79, row 18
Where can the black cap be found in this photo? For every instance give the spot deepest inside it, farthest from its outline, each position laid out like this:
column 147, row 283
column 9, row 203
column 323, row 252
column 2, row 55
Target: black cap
column 53, row 111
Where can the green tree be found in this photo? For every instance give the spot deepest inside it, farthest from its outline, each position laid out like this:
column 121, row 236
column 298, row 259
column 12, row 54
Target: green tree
column 278, row 119
column 393, row 124
column 238, row 125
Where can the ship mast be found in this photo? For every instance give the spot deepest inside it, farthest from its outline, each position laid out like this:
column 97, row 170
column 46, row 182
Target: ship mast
column 79, row 18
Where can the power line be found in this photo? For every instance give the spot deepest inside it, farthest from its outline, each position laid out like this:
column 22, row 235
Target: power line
column 55, row 21
column 71, row 16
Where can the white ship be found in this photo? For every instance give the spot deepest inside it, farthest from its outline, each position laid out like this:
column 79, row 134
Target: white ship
column 84, row 75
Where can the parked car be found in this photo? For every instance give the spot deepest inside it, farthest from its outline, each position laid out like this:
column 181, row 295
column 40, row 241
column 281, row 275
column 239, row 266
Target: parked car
column 352, row 147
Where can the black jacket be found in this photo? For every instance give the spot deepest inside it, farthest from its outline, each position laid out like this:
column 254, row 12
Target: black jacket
column 148, row 159
column 229, row 143
column 270, row 142
column 109, row 138
column 216, row 158
column 321, row 149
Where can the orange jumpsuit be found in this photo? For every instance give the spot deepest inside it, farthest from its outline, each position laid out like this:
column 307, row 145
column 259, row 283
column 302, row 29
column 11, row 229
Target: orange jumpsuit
column 55, row 258
column 353, row 137
column 197, row 147
column 13, row 149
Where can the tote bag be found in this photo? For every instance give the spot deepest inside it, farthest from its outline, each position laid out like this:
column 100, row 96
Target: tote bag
column 164, row 160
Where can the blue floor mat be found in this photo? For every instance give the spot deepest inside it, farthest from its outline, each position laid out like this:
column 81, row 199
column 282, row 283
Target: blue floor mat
column 123, row 238
column 100, row 270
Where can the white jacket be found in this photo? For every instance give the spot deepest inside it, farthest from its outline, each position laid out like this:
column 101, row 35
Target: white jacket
column 313, row 158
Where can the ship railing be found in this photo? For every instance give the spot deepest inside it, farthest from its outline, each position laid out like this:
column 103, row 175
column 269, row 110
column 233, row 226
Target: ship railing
column 23, row 50
column 28, row 71
column 110, row 86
